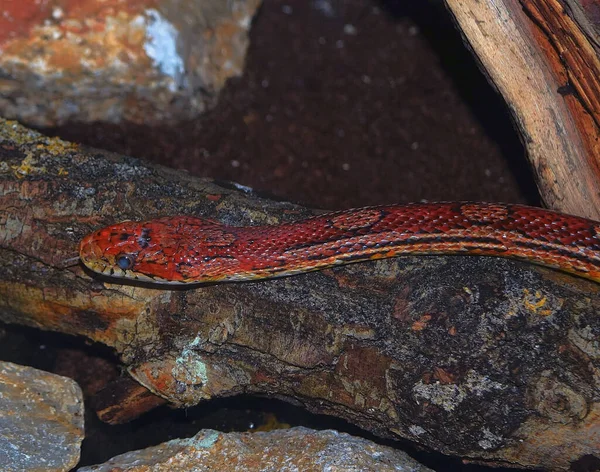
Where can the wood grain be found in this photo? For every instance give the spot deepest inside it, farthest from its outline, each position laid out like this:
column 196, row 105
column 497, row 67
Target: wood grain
column 545, row 65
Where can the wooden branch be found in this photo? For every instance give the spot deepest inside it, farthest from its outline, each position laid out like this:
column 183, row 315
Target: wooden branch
column 472, row 356
column 542, row 56
column 123, row 400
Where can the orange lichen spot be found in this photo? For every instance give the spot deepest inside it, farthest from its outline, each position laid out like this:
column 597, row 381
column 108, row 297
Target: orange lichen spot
column 214, row 198
column 64, row 56
column 444, row 376
column 57, row 146
column 26, row 168
column 537, row 303
column 422, row 323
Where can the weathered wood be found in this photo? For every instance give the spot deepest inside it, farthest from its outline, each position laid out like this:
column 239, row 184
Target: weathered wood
column 472, row 356
column 542, row 55
column 123, row 400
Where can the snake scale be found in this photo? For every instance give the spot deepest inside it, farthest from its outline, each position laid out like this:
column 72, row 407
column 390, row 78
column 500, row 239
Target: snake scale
column 186, row 249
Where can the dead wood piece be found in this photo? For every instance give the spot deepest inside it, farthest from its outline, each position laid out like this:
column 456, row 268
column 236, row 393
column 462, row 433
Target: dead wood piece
column 124, row 400
column 542, row 55
column 471, row 356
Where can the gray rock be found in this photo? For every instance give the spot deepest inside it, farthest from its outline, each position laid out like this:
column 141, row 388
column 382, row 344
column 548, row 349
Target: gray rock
column 147, row 62
column 41, row 420
column 284, row 450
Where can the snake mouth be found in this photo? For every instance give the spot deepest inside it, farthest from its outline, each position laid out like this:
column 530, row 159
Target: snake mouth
column 92, row 256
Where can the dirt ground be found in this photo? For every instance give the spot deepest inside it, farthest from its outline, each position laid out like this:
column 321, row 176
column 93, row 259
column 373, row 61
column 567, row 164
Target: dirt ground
column 342, row 104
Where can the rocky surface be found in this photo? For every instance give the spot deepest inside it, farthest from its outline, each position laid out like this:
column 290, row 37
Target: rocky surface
column 145, row 61
column 41, row 420
column 295, row 449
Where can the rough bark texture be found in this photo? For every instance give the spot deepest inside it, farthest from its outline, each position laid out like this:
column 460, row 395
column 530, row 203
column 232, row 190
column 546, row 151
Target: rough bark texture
column 542, row 55
column 472, row 356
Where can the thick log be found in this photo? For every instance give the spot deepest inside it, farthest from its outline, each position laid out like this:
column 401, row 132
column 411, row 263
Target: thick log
column 472, row 356
column 542, row 55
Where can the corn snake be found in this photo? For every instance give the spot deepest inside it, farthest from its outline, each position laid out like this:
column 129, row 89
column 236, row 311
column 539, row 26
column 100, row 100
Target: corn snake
column 185, row 249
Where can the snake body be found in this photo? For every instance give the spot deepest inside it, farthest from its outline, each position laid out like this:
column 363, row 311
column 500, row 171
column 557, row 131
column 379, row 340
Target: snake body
column 185, row 249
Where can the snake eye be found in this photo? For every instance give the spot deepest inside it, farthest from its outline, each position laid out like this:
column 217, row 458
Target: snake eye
column 125, row 261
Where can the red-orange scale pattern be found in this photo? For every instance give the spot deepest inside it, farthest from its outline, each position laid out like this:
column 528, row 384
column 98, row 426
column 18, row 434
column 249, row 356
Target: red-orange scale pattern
column 186, row 249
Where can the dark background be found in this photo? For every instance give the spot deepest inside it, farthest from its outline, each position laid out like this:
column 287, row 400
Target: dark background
column 347, row 103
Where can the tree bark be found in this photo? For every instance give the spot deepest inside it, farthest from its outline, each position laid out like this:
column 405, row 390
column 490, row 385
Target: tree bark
column 472, row 356
column 542, row 55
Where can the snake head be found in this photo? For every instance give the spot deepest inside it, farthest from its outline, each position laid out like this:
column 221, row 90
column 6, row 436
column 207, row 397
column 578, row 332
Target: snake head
column 130, row 250
column 171, row 250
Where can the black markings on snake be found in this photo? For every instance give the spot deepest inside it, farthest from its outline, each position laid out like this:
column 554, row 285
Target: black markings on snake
column 144, row 238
